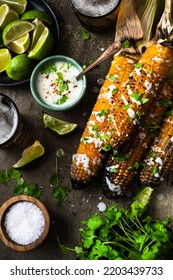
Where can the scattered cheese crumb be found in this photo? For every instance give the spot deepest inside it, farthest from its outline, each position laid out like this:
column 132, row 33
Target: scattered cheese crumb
column 102, row 206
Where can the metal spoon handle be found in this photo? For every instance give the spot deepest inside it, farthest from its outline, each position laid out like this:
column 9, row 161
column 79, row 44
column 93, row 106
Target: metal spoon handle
column 112, row 49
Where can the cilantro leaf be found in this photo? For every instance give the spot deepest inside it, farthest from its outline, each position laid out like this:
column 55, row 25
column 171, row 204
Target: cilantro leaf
column 4, row 177
column 21, row 186
column 85, row 34
column 49, row 68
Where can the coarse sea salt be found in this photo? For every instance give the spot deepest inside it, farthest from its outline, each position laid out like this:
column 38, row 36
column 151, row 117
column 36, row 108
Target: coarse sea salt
column 24, row 223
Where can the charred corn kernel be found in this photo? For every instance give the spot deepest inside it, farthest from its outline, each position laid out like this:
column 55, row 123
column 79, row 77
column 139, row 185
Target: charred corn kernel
column 159, row 160
column 136, row 95
column 88, row 159
column 121, row 167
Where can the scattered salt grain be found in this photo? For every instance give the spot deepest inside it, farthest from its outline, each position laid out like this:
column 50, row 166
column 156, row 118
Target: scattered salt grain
column 102, row 206
column 24, row 223
column 95, row 89
column 100, row 81
column 160, row 196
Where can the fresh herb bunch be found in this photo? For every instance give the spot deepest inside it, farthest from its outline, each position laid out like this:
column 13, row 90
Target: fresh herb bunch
column 21, row 186
column 119, row 234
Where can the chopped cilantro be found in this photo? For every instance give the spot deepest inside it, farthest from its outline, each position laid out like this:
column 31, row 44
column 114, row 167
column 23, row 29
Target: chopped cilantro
column 137, row 97
column 62, row 100
column 125, row 44
column 138, row 65
column 85, row 34
column 126, row 107
column 154, row 170
column 49, row 68
column 103, row 113
column 113, row 169
column 150, row 71
column 112, row 77
column 111, row 118
column 85, row 139
column 106, row 147
column 152, row 155
column 62, row 84
column 136, row 165
column 115, row 90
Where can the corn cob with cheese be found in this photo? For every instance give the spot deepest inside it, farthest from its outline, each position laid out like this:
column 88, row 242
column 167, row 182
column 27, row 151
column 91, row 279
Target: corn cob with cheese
column 88, row 159
column 136, row 96
column 159, row 160
column 121, row 167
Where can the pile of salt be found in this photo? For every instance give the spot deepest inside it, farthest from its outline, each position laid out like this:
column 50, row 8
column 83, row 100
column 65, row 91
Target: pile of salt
column 24, row 223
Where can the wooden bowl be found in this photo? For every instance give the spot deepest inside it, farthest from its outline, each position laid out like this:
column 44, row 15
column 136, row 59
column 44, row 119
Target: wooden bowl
column 3, row 234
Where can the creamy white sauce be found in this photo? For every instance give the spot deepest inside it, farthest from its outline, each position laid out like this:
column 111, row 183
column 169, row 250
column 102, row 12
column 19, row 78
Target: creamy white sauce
column 113, row 187
column 50, row 91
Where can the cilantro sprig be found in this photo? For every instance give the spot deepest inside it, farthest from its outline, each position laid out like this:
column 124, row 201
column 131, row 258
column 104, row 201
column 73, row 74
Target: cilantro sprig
column 21, row 187
column 59, row 192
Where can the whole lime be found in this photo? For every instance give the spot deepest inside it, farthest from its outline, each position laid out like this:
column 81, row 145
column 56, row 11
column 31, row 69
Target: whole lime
column 20, row 67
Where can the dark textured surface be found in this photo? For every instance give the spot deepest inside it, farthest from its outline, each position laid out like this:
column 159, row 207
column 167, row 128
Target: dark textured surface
column 65, row 220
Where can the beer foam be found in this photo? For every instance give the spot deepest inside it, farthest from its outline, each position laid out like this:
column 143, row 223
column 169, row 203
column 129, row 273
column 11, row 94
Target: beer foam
column 8, row 120
column 95, row 8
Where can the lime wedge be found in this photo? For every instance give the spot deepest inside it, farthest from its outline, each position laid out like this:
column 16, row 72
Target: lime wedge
column 33, row 14
column 58, row 126
column 37, row 32
column 29, row 154
column 7, row 15
column 141, row 201
column 5, row 58
column 18, row 5
column 43, row 46
column 20, row 45
column 16, row 29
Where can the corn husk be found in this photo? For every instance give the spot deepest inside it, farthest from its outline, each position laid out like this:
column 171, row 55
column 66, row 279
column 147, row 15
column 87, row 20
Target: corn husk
column 164, row 30
column 149, row 12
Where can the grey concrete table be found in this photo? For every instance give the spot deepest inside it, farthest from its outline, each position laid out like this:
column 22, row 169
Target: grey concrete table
column 65, row 219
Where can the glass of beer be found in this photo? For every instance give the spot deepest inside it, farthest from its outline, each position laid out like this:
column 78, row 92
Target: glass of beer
column 96, row 15
column 10, row 121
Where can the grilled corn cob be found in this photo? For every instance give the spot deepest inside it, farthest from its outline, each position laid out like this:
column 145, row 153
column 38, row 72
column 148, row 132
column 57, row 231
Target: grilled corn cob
column 88, row 159
column 136, row 95
column 160, row 157
column 122, row 167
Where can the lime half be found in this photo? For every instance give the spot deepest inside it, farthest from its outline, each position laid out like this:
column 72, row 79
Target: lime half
column 29, row 154
column 16, row 29
column 33, row 14
column 5, row 58
column 58, row 126
column 20, row 67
